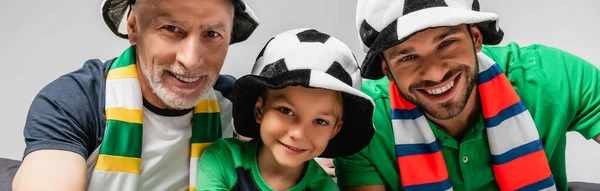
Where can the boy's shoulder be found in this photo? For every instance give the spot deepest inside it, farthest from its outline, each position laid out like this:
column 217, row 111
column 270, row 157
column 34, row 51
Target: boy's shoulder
column 229, row 145
column 319, row 179
column 238, row 151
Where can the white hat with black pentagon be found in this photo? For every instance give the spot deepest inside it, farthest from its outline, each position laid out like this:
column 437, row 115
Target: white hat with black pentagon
column 115, row 13
column 383, row 24
column 312, row 59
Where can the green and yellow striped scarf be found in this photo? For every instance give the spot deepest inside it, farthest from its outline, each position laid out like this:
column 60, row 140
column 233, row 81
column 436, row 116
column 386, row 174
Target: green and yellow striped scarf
column 118, row 166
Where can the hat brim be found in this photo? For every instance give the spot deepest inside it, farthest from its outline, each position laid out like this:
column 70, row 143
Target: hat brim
column 355, row 133
column 408, row 25
column 115, row 13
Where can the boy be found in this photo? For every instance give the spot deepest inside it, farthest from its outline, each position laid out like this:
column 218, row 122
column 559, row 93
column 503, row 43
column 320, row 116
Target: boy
column 301, row 101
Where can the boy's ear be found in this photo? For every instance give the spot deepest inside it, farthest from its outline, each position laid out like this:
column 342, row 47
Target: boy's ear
column 258, row 110
column 337, row 128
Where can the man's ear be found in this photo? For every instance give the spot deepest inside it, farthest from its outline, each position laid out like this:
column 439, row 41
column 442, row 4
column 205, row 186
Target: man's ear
column 477, row 37
column 258, row 110
column 337, row 128
column 131, row 28
column 385, row 68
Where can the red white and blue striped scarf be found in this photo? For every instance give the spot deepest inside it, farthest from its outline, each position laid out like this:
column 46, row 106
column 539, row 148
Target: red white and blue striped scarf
column 518, row 156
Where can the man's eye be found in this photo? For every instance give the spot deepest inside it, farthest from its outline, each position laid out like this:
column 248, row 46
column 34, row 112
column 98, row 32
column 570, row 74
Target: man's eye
column 285, row 111
column 408, row 58
column 446, row 43
column 321, row 122
column 212, row 34
column 171, row 28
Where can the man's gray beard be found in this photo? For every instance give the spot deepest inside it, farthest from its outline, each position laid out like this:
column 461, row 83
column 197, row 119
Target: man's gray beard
column 173, row 98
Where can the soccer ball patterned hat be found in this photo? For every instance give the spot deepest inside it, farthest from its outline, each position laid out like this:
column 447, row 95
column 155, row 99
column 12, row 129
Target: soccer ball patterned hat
column 311, row 59
column 383, row 24
column 115, row 13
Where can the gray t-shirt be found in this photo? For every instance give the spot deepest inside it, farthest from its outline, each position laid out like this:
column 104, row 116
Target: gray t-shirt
column 68, row 114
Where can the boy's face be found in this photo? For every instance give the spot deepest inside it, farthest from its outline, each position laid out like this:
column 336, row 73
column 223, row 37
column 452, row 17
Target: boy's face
column 296, row 123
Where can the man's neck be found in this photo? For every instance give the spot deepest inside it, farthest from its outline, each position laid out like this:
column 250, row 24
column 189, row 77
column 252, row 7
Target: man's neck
column 459, row 125
column 278, row 177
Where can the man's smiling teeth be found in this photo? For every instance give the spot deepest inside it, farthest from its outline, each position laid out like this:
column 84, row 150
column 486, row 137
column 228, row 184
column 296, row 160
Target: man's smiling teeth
column 441, row 90
column 184, row 79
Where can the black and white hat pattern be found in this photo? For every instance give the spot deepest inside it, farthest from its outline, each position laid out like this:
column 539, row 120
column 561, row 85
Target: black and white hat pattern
column 383, row 24
column 312, row 59
column 115, row 13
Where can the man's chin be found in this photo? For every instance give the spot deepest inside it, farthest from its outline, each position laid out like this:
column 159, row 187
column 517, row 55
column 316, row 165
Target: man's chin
column 181, row 103
column 443, row 114
column 444, row 111
column 180, row 100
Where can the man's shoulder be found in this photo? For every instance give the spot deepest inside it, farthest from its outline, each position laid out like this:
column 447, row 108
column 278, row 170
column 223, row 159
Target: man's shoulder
column 224, row 85
column 532, row 69
column 514, row 56
column 376, row 89
column 67, row 114
column 82, row 86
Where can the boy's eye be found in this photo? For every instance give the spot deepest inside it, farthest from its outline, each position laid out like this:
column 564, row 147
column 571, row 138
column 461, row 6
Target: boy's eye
column 285, row 111
column 321, row 122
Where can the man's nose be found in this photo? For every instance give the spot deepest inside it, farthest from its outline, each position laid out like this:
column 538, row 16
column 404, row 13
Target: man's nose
column 433, row 69
column 190, row 52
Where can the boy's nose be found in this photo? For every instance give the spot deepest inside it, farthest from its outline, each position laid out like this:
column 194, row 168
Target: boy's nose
column 297, row 132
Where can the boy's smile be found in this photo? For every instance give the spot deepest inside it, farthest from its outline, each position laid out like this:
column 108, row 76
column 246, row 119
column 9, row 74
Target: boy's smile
column 292, row 149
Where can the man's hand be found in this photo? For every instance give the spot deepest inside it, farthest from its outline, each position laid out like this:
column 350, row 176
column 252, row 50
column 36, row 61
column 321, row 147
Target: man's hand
column 327, row 165
column 597, row 138
column 51, row 170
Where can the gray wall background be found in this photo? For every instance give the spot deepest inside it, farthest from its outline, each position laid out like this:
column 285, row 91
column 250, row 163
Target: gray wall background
column 41, row 40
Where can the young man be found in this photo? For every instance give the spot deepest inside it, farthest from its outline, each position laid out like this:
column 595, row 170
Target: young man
column 139, row 121
column 301, row 101
column 452, row 113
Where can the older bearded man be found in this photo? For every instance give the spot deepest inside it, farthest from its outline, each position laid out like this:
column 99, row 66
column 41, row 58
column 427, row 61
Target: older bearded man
column 141, row 120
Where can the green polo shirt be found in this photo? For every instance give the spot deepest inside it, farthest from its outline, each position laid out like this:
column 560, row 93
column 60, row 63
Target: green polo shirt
column 561, row 91
column 231, row 164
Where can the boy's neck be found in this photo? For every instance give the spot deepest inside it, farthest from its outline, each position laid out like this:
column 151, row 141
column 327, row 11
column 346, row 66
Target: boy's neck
column 278, row 177
column 459, row 125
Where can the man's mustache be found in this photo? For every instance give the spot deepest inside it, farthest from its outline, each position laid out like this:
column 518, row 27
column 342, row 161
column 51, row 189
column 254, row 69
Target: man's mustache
column 448, row 75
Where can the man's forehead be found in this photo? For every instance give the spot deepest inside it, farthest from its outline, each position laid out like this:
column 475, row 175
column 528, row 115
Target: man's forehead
column 433, row 34
column 207, row 13
column 169, row 7
column 428, row 36
column 436, row 33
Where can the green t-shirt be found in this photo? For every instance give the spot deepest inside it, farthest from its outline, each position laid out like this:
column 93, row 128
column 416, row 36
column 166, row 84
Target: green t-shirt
column 561, row 91
column 230, row 164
